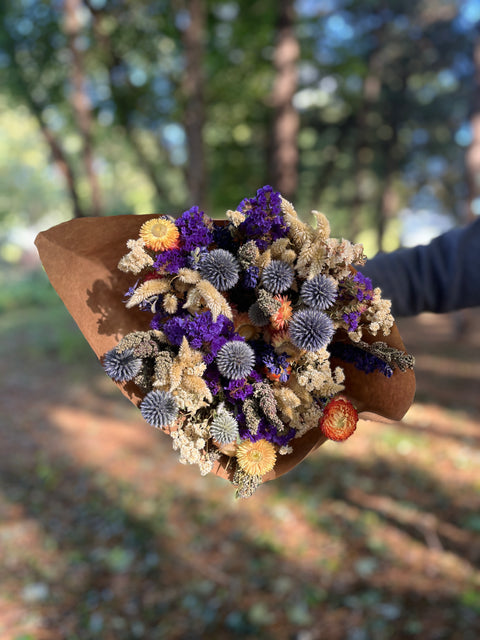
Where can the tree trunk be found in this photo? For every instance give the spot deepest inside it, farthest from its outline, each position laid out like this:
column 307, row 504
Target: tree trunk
column 193, row 91
column 286, row 120
column 62, row 165
column 80, row 101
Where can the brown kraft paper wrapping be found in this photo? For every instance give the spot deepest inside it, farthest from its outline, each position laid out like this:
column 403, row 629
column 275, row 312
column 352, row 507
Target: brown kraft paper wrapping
column 80, row 258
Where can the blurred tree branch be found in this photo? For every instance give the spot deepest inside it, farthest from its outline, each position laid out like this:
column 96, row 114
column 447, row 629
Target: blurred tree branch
column 79, row 98
column 37, row 109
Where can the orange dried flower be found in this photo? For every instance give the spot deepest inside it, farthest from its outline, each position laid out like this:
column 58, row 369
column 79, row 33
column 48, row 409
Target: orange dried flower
column 339, row 419
column 244, row 327
column 280, row 319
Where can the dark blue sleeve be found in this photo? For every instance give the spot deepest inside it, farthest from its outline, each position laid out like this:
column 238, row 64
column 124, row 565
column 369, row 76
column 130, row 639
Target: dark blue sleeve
column 441, row 276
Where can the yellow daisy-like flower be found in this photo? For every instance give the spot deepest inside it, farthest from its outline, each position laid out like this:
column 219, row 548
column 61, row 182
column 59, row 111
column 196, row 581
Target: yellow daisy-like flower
column 159, row 234
column 256, row 458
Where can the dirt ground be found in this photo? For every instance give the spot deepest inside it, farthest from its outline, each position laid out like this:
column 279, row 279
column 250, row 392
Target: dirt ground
column 103, row 534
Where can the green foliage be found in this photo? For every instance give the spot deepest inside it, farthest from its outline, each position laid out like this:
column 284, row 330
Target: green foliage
column 18, row 292
column 382, row 93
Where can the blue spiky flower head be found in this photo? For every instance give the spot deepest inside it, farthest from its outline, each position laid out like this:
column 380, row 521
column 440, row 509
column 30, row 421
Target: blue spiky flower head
column 235, row 360
column 277, row 276
column 220, row 268
column 224, row 427
column 121, row 365
column 256, row 315
column 159, row 408
column 320, row 292
column 311, row 330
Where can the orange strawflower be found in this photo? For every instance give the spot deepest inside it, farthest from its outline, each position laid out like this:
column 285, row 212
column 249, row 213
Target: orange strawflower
column 339, row 419
column 159, row 234
column 280, row 319
column 256, row 458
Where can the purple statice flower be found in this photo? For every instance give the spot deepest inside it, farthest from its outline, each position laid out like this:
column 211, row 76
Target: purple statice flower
column 223, row 238
column 266, row 431
column 364, row 287
column 363, row 360
column 355, row 288
column 203, row 333
column 171, row 260
column 215, row 345
column 194, row 231
column 200, row 330
column 255, row 376
column 264, row 221
column 250, row 277
column 281, row 439
column 245, row 433
column 352, row 320
column 175, row 328
column 158, row 320
column 212, row 380
column 238, row 389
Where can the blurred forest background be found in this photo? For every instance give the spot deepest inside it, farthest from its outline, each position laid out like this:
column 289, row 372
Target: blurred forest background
column 367, row 110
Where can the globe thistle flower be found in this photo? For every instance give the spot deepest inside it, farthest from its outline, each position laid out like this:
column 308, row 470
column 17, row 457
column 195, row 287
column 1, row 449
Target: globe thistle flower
column 257, row 316
column 256, row 458
column 235, row 360
column 310, row 329
column 224, row 428
column 159, row 234
column 320, row 292
column 339, row 419
column 159, row 408
column 277, row 276
column 121, row 366
column 220, row 268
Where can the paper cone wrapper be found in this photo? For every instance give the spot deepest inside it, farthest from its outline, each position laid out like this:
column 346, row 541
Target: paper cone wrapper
column 80, row 258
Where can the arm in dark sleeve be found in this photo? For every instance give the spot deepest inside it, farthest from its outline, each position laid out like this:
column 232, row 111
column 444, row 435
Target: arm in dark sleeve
column 441, row 276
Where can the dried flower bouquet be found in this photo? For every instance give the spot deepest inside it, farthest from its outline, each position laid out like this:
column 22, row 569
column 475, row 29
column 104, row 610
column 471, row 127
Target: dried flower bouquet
column 249, row 342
